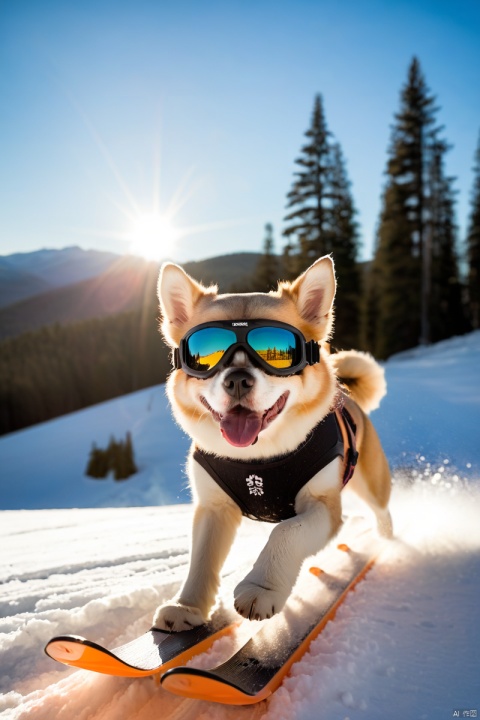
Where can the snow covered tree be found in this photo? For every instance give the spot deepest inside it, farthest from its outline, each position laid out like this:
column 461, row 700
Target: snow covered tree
column 473, row 246
column 322, row 220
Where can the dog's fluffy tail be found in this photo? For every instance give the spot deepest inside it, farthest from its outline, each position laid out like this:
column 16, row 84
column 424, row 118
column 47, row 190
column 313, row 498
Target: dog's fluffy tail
column 363, row 377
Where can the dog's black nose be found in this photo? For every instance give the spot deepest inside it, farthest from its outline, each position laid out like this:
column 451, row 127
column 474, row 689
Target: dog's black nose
column 238, row 383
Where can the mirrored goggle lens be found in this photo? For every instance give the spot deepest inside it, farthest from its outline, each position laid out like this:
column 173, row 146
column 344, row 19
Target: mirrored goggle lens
column 205, row 348
column 276, row 346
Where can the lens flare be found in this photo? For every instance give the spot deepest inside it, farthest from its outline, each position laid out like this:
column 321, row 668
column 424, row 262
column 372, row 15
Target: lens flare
column 153, row 236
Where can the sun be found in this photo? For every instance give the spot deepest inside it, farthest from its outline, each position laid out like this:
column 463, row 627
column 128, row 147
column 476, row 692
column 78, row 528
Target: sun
column 152, row 236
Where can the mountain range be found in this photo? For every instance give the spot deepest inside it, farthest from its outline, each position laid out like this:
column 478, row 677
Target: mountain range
column 65, row 286
column 24, row 275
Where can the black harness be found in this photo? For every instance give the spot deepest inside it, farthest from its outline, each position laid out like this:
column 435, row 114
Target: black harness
column 266, row 489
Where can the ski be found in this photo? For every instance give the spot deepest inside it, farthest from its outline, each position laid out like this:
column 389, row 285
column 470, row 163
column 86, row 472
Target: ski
column 153, row 652
column 258, row 668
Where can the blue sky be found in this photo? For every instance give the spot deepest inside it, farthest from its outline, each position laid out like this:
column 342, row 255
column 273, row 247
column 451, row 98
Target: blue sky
column 110, row 109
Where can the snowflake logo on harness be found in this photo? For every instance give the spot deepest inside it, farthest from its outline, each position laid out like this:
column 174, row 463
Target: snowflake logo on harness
column 255, row 485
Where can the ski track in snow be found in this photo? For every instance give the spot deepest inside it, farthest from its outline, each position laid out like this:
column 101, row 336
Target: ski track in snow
column 405, row 645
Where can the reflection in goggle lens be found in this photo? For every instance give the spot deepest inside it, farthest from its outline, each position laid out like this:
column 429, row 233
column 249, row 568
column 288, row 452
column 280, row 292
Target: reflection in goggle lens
column 205, row 348
column 276, row 346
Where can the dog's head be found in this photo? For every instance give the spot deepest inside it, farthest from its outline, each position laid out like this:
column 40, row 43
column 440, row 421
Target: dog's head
column 242, row 410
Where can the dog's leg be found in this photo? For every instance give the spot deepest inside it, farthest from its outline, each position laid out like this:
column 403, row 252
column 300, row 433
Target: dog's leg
column 371, row 481
column 214, row 529
column 363, row 489
column 267, row 586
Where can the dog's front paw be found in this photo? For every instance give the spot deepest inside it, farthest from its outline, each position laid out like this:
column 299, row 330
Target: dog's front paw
column 256, row 602
column 174, row 617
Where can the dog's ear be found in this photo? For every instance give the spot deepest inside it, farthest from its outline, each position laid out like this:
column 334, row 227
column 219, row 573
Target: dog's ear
column 314, row 291
column 178, row 294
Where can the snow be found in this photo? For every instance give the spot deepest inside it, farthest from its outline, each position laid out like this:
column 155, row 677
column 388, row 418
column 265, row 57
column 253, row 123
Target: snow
column 43, row 467
column 433, row 405
column 406, row 642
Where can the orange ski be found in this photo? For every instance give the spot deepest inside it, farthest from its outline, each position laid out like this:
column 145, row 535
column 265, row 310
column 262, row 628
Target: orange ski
column 152, row 653
column 260, row 666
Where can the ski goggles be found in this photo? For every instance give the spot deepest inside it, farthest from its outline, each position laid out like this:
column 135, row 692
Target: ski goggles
column 278, row 348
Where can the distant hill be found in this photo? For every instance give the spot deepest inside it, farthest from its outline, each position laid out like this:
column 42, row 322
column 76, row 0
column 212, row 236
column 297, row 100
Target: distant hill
column 124, row 286
column 24, row 275
column 65, row 266
column 121, row 288
column 226, row 271
column 17, row 284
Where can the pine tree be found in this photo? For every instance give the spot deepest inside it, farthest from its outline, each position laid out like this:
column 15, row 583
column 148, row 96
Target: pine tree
column 308, row 229
column 267, row 271
column 446, row 315
column 130, row 465
column 322, row 221
column 416, row 230
column 344, row 247
column 113, row 452
column 473, row 246
column 121, row 456
column 98, row 465
column 120, row 469
column 369, row 322
column 118, row 458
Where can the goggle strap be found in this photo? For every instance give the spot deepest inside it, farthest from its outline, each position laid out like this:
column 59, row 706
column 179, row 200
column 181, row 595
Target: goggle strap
column 312, row 352
column 176, row 359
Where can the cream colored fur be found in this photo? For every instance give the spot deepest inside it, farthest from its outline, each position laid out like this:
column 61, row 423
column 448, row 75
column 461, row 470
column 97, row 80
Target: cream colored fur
column 197, row 404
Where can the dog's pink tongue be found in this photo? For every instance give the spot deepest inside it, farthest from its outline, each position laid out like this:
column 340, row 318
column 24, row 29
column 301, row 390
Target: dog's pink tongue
column 241, row 426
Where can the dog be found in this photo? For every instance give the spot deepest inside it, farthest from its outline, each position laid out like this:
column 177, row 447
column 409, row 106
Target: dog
column 253, row 382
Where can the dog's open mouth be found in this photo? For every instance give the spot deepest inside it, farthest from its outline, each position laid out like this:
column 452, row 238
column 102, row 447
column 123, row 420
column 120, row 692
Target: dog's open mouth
column 241, row 426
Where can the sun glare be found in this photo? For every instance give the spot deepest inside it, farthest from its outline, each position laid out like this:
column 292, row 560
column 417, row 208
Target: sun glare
column 152, row 236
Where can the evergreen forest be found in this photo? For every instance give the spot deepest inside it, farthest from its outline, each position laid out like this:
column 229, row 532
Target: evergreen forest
column 59, row 369
column 423, row 282
column 421, row 286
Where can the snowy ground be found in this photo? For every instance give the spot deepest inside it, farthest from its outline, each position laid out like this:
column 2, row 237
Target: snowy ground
column 406, row 643
column 43, row 467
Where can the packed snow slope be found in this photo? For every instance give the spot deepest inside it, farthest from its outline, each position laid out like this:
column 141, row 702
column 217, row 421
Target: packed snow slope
column 404, row 645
